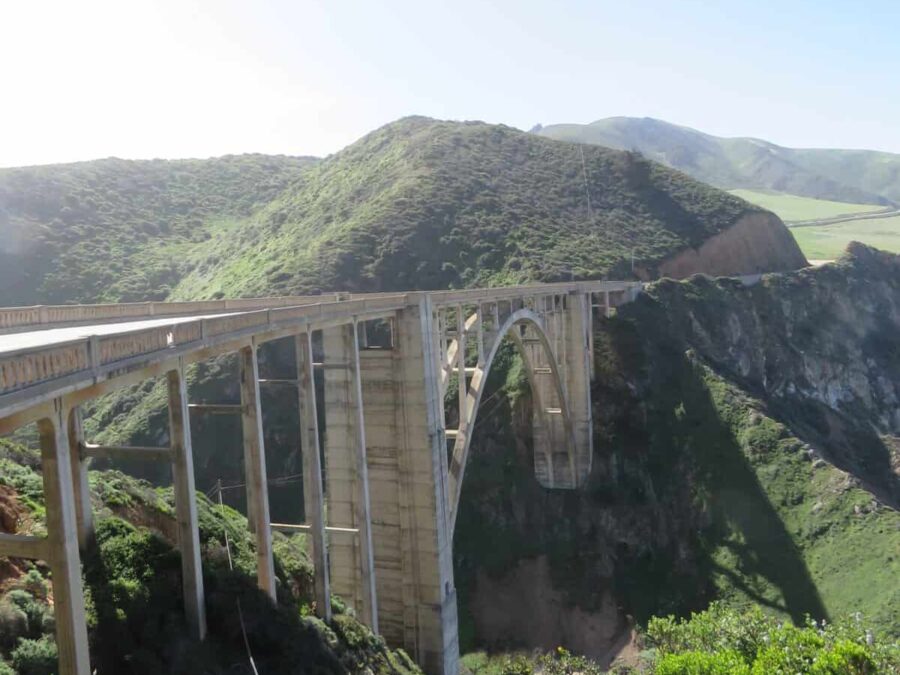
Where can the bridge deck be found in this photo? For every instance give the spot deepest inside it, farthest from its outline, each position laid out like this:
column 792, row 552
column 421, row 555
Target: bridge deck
column 50, row 336
column 54, row 350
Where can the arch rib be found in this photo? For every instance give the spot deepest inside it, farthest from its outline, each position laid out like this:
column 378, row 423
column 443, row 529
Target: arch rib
column 510, row 327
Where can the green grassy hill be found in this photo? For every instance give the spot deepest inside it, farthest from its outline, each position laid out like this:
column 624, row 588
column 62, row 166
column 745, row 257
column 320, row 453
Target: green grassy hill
column 119, row 230
column 857, row 176
column 791, row 208
column 827, row 242
column 416, row 204
column 427, row 204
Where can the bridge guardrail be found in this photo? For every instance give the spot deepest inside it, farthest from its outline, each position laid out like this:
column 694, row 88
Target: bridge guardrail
column 29, row 366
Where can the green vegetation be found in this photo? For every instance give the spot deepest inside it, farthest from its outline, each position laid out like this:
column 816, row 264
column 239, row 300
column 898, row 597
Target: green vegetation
column 133, row 598
column 721, row 641
column 827, row 242
column 857, row 176
column 416, row 204
column 427, row 204
column 117, row 230
column 795, row 208
column 700, row 489
column 557, row 662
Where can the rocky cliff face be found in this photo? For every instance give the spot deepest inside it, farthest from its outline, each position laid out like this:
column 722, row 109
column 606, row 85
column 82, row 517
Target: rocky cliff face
column 744, row 449
column 821, row 346
column 757, row 242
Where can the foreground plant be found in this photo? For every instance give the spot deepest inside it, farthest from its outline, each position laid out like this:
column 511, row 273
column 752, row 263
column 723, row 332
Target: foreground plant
column 723, row 641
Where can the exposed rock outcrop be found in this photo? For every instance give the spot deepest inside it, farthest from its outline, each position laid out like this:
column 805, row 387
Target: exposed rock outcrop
column 757, row 242
column 820, row 345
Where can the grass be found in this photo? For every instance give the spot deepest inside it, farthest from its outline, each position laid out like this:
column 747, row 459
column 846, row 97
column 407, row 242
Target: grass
column 792, row 208
column 417, row 204
column 829, row 241
column 858, row 176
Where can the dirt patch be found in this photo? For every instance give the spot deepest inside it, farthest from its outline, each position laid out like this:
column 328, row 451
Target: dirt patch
column 756, row 243
column 523, row 609
column 14, row 519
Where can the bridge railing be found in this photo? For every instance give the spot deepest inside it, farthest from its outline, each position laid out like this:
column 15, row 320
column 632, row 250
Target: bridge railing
column 23, row 370
column 13, row 319
column 475, row 295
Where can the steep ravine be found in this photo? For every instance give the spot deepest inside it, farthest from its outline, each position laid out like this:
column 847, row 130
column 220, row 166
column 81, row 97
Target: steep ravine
column 742, row 452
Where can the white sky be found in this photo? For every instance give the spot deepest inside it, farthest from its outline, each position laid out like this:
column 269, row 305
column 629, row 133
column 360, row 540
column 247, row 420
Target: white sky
column 83, row 79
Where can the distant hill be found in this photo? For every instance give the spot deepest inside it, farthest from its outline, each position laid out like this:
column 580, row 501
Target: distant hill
column 429, row 204
column 120, row 230
column 418, row 203
column 857, row 176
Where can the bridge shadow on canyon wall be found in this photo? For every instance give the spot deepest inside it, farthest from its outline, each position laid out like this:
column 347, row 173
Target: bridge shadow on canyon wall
column 685, row 422
column 673, row 515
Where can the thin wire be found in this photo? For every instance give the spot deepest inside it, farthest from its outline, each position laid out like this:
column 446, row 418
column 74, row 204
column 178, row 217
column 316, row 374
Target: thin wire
column 586, row 189
column 231, row 567
column 282, row 480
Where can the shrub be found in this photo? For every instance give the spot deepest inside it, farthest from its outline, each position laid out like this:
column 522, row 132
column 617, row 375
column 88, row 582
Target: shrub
column 752, row 642
column 38, row 615
column 35, row 657
column 6, row 669
column 702, row 663
column 516, row 665
column 845, row 658
column 715, row 629
column 13, row 624
column 35, row 584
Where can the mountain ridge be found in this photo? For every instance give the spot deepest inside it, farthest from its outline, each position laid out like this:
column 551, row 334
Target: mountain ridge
column 858, row 176
column 463, row 203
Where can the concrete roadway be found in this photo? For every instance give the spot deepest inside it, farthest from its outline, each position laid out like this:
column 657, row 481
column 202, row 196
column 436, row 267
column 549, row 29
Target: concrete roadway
column 46, row 337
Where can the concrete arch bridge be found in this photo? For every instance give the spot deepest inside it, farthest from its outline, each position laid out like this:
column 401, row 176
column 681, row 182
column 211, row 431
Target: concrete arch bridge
column 393, row 469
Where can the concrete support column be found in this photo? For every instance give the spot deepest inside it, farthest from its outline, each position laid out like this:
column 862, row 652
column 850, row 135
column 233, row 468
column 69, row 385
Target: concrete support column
column 380, row 401
column 313, row 498
column 62, row 534
column 426, row 564
column 352, row 561
column 255, row 469
column 82, row 490
column 186, row 504
column 577, row 365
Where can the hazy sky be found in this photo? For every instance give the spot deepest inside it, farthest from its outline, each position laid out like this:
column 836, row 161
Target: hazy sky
column 194, row 78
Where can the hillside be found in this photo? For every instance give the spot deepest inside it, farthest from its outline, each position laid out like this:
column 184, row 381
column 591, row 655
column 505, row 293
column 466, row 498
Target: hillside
column 856, row 176
column 118, row 230
column 746, row 449
column 132, row 579
column 418, row 203
column 428, row 204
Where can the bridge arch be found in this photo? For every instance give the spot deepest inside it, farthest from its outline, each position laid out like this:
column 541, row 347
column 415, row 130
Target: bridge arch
column 534, row 345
